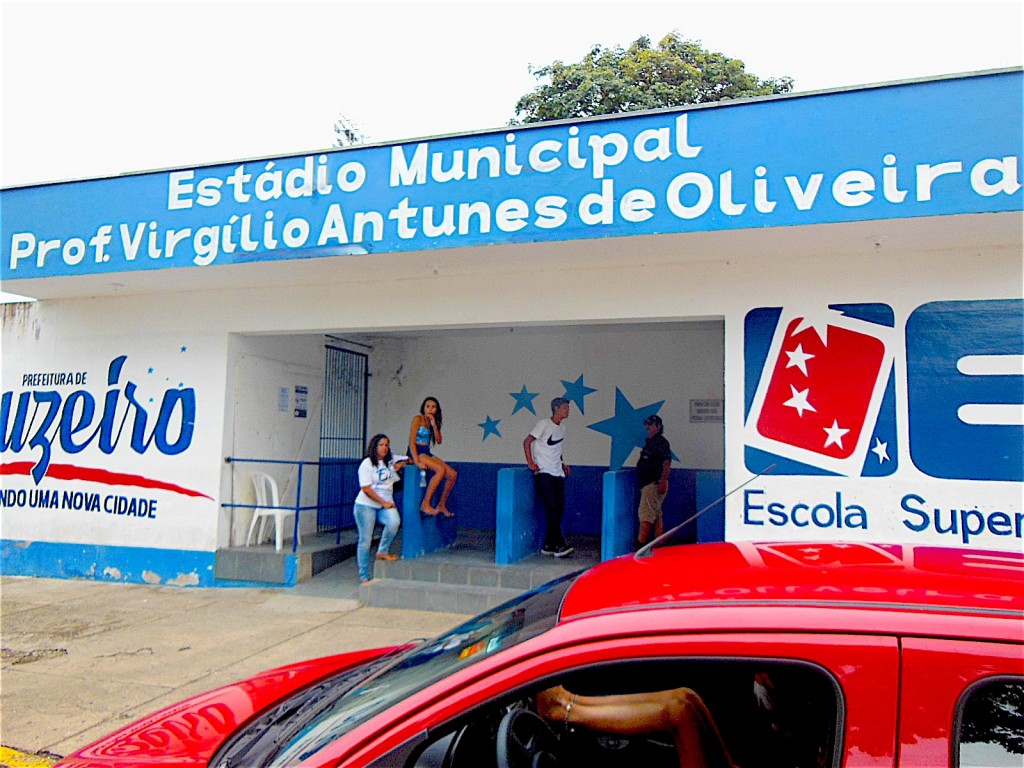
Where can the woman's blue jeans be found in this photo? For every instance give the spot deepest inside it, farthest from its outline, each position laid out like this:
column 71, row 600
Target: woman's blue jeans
column 366, row 520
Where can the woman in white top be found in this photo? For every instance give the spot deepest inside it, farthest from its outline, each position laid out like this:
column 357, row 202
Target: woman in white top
column 378, row 474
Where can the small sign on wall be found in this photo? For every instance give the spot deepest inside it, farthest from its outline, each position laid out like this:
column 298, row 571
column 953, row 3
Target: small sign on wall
column 301, row 401
column 702, row 411
column 283, row 400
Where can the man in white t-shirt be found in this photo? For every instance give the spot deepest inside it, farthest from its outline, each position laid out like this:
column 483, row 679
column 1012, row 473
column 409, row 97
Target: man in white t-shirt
column 543, row 449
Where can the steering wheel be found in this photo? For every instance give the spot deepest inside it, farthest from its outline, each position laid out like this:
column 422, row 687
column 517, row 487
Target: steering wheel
column 525, row 740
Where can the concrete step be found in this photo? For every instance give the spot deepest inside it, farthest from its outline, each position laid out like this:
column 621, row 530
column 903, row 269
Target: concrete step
column 464, row 578
column 438, row 568
column 424, row 596
column 262, row 564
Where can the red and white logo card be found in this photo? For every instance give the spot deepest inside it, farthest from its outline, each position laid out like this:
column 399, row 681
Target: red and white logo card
column 821, row 389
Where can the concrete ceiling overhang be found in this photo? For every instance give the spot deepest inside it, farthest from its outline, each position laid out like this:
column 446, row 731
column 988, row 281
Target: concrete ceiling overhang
column 968, row 234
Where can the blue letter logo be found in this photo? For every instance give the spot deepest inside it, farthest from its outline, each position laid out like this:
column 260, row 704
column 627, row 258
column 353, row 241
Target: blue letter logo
column 965, row 389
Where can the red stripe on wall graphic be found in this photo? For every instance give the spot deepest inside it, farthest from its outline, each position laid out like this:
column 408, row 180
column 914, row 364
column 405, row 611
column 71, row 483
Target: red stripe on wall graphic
column 71, row 472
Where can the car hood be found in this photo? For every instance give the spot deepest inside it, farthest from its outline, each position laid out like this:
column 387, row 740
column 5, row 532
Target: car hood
column 190, row 732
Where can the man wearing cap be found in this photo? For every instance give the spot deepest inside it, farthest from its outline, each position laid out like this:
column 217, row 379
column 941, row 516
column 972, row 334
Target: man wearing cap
column 652, row 472
column 543, row 449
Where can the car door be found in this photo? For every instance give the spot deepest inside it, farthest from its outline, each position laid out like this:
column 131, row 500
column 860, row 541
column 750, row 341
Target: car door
column 943, row 682
column 860, row 673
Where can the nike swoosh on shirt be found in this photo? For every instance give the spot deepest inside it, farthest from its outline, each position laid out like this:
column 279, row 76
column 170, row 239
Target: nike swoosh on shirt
column 554, row 442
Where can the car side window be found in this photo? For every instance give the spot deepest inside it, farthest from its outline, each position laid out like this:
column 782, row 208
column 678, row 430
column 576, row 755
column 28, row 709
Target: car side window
column 646, row 713
column 991, row 725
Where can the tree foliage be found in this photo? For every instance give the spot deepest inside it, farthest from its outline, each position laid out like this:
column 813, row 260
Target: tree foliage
column 611, row 80
column 995, row 715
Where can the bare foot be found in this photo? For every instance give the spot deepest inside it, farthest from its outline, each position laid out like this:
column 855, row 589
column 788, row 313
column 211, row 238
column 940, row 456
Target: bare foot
column 426, row 509
column 444, row 511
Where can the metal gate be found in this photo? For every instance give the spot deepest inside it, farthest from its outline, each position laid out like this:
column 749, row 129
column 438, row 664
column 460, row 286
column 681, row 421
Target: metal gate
column 342, row 436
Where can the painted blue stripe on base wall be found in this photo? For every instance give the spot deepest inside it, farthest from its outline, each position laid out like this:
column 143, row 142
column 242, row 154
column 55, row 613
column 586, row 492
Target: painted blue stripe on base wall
column 129, row 565
column 474, row 498
column 710, row 490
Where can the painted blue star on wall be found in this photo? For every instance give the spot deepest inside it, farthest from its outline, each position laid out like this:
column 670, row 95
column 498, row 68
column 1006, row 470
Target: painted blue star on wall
column 576, row 391
column 524, row 399
column 490, row 427
column 626, row 428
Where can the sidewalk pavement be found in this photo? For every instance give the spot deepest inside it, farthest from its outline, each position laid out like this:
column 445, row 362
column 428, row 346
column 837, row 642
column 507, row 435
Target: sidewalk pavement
column 82, row 658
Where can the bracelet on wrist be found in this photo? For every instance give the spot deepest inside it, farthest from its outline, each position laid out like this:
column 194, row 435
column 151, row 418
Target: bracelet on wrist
column 568, row 710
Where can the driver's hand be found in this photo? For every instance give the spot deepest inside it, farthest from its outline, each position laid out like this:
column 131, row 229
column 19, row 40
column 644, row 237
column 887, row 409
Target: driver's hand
column 551, row 703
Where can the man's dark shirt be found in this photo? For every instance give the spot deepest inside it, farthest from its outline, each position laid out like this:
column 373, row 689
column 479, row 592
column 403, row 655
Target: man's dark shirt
column 652, row 459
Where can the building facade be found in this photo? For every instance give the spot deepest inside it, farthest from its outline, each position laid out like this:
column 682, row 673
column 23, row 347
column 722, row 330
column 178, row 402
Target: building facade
column 821, row 295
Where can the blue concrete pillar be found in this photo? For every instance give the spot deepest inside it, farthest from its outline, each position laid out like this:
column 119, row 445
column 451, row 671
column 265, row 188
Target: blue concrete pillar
column 618, row 513
column 421, row 533
column 710, row 487
column 518, row 526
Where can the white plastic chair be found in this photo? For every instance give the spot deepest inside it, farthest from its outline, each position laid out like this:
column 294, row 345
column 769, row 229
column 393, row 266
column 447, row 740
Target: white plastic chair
column 267, row 497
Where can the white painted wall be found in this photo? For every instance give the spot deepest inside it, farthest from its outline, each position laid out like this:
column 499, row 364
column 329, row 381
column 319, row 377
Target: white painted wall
column 473, row 375
column 268, row 418
column 82, row 337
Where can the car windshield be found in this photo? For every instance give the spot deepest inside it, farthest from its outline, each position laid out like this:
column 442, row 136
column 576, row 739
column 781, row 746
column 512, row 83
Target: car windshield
column 518, row 620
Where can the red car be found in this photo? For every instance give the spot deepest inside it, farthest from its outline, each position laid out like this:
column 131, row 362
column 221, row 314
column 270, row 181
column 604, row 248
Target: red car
column 774, row 654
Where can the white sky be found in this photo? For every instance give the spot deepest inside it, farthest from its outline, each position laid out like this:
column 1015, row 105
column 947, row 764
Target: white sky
column 97, row 89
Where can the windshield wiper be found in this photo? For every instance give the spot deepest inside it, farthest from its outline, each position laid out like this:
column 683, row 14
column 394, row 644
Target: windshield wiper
column 262, row 738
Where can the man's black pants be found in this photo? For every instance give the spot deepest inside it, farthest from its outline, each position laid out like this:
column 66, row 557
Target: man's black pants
column 551, row 491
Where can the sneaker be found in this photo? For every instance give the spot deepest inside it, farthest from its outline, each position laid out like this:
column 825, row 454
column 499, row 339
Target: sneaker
column 548, row 550
column 563, row 551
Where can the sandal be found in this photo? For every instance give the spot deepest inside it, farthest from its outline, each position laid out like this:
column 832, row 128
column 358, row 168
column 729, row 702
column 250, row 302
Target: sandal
column 387, row 556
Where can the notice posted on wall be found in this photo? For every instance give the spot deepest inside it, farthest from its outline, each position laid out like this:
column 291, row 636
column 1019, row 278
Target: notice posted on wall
column 702, row 411
column 301, row 401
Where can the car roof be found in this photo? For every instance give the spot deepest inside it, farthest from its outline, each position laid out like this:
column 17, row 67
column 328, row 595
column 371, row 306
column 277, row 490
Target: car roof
column 785, row 573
